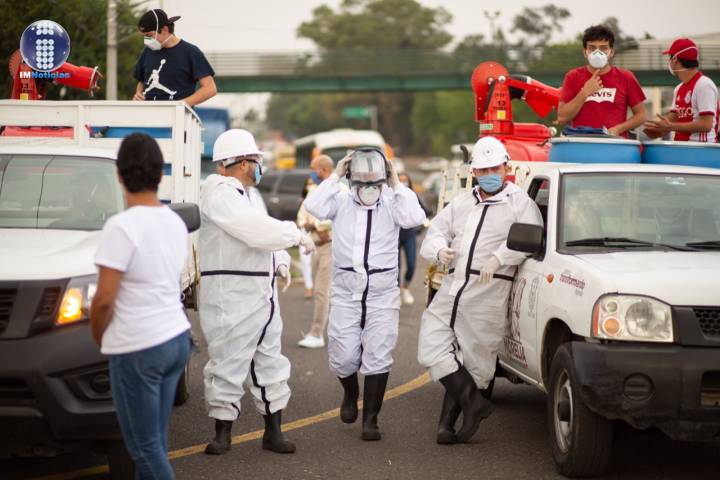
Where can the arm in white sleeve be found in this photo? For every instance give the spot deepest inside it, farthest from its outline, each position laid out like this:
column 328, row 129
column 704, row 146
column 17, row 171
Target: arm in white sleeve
column 323, row 203
column 439, row 234
column 282, row 257
column 256, row 229
column 406, row 209
column 527, row 211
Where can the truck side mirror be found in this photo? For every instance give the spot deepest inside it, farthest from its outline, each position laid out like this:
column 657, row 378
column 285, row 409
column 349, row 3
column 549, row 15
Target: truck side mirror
column 189, row 213
column 526, row 237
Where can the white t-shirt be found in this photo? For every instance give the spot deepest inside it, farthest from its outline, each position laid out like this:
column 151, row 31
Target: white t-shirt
column 150, row 245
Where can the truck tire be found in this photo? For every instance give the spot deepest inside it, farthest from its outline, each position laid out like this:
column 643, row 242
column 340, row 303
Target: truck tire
column 122, row 466
column 182, row 393
column 581, row 440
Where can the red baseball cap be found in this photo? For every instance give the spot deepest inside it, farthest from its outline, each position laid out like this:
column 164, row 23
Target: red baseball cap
column 683, row 48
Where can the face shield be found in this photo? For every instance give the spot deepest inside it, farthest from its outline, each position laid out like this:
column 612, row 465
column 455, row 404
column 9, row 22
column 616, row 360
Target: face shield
column 367, row 167
column 368, row 172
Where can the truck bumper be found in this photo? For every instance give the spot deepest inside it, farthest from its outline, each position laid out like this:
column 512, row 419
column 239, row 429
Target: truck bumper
column 54, row 392
column 671, row 387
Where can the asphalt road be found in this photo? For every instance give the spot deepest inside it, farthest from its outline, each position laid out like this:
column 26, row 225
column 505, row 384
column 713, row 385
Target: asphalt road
column 512, row 444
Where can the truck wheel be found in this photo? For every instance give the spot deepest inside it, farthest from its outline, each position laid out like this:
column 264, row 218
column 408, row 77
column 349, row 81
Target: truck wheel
column 122, row 466
column 581, row 440
column 182, row 393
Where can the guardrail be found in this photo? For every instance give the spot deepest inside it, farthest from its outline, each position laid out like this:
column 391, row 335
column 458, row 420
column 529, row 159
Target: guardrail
column 382, row 62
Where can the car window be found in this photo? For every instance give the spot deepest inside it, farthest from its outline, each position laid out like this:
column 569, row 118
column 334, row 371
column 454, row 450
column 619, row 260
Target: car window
column 60, row 192
column 292, row 183
column 653, row 207
column 268, row 182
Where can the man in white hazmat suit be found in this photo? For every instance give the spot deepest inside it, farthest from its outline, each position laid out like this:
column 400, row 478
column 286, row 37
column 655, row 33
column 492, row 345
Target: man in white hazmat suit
column 242, row 253
column 462, row 328
column 365, row 295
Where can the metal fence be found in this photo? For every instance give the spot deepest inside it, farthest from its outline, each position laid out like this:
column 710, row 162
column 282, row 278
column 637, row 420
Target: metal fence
column 351, row 62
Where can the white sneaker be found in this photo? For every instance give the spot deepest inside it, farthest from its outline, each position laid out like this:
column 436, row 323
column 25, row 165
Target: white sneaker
column 407, row 297
column 311, row 341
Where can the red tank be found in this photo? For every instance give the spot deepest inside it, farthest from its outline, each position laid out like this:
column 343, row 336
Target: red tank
column 494, row 91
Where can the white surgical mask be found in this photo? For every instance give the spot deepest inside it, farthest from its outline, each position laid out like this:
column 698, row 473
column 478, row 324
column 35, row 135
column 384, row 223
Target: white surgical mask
column 152, row 43
column 368, row 195
column 598, row 59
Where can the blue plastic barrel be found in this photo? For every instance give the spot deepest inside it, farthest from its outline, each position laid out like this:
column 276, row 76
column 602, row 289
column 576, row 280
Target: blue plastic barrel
column 695, row 154
column 594, row 150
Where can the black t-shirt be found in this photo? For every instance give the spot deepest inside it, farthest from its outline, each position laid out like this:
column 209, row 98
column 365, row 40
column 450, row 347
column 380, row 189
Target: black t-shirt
column 171, row 73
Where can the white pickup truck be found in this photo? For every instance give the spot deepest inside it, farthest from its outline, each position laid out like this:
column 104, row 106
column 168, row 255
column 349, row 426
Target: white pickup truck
column 616, row 314
column 55, row 194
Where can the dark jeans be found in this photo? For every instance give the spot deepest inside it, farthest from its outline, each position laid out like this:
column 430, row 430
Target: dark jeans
column 408, row 241
column 143, row 389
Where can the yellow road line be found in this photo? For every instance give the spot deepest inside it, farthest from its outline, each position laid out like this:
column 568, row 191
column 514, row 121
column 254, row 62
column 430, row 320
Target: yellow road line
column 413, row 384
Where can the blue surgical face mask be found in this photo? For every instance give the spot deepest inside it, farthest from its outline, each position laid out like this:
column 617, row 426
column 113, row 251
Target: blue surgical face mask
column 490, row 183
column 258, row 174
column 315, row 178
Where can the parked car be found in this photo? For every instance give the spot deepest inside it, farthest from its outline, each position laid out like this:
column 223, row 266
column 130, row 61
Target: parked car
column 282, row 191
column 55, row 196
column 616, row 313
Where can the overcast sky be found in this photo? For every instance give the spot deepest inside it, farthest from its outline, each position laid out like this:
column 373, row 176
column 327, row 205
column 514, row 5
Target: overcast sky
column 271, row 24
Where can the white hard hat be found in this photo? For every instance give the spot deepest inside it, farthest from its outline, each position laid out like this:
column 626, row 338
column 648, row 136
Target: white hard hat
column 235, row 143
column 488, row 152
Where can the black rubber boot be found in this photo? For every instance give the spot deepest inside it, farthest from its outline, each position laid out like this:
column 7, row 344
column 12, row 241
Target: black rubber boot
column 273, row 438
column 448, row 417
column 349, row 408
column 373, row 394
column 461, row 387
column 223, row 435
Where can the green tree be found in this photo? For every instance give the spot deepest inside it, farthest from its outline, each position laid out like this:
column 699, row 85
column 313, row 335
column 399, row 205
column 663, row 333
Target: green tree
column 349, row 39
column 86, row 23
column 539, row 25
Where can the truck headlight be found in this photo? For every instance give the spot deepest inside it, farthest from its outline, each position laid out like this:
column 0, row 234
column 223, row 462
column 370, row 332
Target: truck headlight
column 632, row 318
column 75, row 305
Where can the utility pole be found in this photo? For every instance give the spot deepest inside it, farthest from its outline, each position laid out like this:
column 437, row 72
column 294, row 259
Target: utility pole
column 111, row 83
column 491, row 18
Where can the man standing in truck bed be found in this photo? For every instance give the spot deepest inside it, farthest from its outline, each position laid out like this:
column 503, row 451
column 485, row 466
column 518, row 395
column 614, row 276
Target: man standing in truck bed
column 599, row 94
column 169, row 68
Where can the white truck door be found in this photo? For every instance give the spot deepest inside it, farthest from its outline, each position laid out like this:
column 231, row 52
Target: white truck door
column 520, row 342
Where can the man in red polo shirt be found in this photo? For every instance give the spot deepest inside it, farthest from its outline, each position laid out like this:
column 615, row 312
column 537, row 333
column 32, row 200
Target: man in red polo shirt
column 598, row 94
column 695, row 111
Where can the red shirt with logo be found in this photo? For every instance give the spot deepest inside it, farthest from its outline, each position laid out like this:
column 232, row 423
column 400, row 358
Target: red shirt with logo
column 608, row 106
column 697, row 97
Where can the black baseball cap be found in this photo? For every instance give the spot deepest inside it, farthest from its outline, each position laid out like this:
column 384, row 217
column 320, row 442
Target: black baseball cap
column 149, row 22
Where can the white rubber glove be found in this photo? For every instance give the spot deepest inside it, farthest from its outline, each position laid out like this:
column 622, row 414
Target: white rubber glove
column 393, row 181
column 343, row 165
column 306, row 244
column 446, row 255
column 488, row 270
column 284, row 273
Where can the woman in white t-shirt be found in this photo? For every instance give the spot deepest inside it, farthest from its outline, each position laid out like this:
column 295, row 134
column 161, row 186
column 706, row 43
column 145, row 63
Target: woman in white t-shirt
column 136, row 315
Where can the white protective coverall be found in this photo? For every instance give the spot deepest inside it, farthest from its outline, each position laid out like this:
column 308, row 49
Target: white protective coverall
column 465, row 322
column 364, row 296
column 241, row 248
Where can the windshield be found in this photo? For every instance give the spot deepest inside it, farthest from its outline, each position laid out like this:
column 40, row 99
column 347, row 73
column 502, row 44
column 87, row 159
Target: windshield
column 57, row 192
column 638, row 210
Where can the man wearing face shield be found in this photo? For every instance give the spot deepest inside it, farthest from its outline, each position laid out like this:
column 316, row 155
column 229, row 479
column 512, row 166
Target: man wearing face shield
column 599, row 94
column 365, row 295
column 695, row 111
column 169, row 68
column 462, row 328
column 242, row 254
